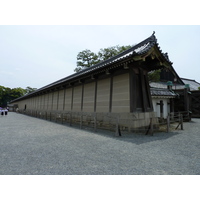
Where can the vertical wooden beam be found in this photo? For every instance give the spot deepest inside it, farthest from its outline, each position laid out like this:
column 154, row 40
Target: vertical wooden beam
column 168, row 123
column 132, row 88
column 58, row 99
column 186, row 100
column 72, row 98
column 44, row 101
column 52, row 100
column 40, row 99
column 82, row 95
column 171, row 105
column 148, row 92
column 64, row 98
column 95, row 122
column 47, row 100
column 181, row 121
column 144, row 101
column 95, row 96
column 111, row 92
column 37, row 102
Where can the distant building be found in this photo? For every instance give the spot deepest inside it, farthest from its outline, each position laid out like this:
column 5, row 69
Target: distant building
column 187, row 100
column 194, row 85
column 162, row 101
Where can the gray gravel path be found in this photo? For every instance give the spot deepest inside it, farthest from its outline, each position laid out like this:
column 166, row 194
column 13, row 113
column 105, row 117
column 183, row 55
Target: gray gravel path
column 33, row 146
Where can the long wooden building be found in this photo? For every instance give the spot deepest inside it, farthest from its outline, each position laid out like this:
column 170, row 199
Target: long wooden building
column 115, row 89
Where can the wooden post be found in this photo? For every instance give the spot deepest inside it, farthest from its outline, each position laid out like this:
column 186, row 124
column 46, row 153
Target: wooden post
column 95, row 122
column 168, row 123
column 56, row 116
column 81, row 120
column 151, row 126
column 129, row 125
column 62, row 118
column 70, row 122
column 117, row 132
column 181, row 121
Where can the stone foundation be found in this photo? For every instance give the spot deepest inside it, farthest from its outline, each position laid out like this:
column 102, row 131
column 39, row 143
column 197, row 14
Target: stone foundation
column 126, row 121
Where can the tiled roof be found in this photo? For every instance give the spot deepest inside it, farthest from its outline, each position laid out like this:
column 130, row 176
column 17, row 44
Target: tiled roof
column 158, row 92
column 192, row 83
column 163, row 85
column 137, row 50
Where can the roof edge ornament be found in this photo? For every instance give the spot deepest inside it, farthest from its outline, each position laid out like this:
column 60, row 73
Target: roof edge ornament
column 153, row 33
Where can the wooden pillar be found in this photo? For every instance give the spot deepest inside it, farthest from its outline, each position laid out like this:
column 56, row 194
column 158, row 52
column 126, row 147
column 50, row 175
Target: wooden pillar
column 95, row 96
column 82, row 95
column 57, row 99
column 72, row 98
column 161, row 108
column 40, row 107
column 52, row 100
column 47, row 101
column 149, row 99
column 132, row 86
column 172, row 105
column 44, row 101
column 186, row 100
column 64, row 98
column 144, row 92
column 168, row 123
column 111, row 92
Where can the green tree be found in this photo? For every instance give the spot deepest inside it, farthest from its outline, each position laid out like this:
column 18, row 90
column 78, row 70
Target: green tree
column 109, row 52
column 17, row 92
column 4, row 96
column 30, row 90
column 87, row 58
column 154, row 76
column 8, row 94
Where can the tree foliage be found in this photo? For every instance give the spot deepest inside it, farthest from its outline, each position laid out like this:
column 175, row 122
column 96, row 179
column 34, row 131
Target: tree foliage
column 87, row 58
column 154, row 76
column 29, row 90
column 7, row 94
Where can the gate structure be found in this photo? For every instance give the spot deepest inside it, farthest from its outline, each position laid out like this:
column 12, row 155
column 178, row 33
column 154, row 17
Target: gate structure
column 183, row 103
column 195, row 103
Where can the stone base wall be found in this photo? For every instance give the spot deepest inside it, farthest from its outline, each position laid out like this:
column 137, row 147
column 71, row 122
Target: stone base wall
column 126, row 121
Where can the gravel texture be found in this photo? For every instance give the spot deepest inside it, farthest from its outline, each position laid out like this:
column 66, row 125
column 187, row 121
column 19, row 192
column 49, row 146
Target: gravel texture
column 37, row 147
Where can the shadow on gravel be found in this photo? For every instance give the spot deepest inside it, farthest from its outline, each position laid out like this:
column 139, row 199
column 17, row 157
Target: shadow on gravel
column 136, row 138
column 140, row 139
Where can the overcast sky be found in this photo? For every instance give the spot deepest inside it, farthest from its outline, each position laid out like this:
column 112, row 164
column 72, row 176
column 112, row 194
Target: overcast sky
column 39, row 55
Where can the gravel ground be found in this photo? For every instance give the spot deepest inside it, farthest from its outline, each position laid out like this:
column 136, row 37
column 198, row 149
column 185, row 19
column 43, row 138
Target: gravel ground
column 37, row 147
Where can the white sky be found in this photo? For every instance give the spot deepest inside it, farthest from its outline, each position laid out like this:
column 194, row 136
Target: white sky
column 37, row 55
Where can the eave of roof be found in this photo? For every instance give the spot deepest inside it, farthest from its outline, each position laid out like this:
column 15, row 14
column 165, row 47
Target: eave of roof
column 163, row 93
column 139, row 50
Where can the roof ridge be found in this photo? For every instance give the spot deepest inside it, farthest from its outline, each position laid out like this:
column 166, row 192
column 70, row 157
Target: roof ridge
column 190, row 80
column 151, row 38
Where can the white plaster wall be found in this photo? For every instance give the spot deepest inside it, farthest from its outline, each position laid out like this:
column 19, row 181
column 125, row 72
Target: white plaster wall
column 166, row 106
